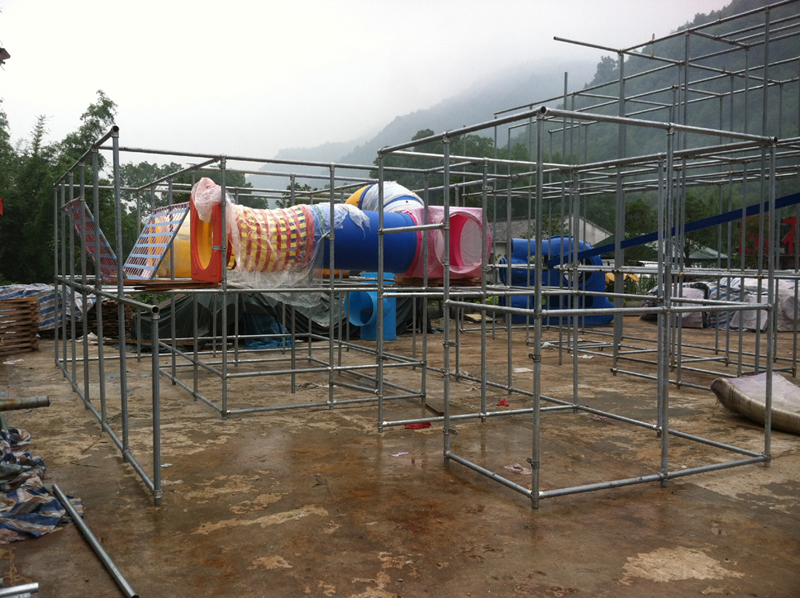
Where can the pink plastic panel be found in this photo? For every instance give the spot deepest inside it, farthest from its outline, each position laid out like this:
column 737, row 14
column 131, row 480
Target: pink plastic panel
column 466, row 225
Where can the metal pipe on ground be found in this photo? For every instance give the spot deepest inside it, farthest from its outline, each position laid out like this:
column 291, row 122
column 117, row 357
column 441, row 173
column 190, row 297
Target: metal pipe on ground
column 20, row 591
column 24, row 403
column 95, row 544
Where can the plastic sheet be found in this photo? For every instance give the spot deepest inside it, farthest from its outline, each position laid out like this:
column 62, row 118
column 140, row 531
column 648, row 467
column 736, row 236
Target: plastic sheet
column 205, row 194
column 281, row 248
column 396, row 198
column 340, row 213
column 788, row 310
column 272, row 249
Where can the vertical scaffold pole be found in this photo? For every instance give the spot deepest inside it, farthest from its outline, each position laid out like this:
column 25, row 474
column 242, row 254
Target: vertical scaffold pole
column 63, row 300
column 661, row 355
column 425, row 240
column 173, row 323
column 84, row 293
column 665, row 318
column 123, row 362
column 55, row 270
column 379, row 303
column 156, row 389
column 446, row 296
column 293, row 352
column 223, row 166
column 771, row 299
column 332, row 296
column 619, row 229
column 72, row 295
column 484, row 271
column 535, row 459
column 99, row 285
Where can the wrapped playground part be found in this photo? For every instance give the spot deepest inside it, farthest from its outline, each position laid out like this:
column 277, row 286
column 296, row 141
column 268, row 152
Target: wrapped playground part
column 787, row 314
column 396, row 198
column 280, row 248
column 690, row 290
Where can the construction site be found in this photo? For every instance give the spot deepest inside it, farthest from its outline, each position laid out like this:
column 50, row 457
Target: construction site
column 376, row 389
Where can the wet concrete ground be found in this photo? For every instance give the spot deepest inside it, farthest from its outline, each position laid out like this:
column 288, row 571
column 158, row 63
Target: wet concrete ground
column 318, row 503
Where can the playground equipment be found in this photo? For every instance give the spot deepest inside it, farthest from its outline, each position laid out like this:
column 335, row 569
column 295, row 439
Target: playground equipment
column 362, row 310
column 283, row 246
column 556, row 250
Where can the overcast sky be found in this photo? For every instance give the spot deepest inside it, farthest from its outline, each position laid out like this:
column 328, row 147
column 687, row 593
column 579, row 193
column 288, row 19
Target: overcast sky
column 249, row 77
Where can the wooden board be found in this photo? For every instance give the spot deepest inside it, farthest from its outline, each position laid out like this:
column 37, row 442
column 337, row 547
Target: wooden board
column 19, row 323
column 110, row 320
column 409, row 281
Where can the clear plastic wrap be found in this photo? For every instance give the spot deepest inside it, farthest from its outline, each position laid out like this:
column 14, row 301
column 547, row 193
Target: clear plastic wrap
column 205, row 194
column 276, row 249
column 786, row 311
column 340, row 212
column 396, row 198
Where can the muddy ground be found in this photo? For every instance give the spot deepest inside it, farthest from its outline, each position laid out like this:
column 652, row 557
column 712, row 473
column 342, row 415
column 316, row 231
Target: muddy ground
column 316, row 502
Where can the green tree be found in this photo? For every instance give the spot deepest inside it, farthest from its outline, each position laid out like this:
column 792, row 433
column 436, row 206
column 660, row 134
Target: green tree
column 142, row 174
column 301, row 195
column 698, row 207
column 95, row 122
column 27, row 175
column 640, row 219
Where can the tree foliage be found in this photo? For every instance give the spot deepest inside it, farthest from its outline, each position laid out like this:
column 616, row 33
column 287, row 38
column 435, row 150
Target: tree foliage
column 27, row 175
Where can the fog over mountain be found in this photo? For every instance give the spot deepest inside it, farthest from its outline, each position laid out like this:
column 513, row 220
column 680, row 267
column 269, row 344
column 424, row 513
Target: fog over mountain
column 509, row 88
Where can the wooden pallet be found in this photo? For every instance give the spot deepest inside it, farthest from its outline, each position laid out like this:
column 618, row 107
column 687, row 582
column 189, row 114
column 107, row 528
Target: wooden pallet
column 110, row 320
column 19, row 323
column 410, row 281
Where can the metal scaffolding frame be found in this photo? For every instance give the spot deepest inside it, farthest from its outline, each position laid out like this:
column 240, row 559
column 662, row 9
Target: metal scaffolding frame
column 225, row 362
column 688, row 157
column 684, row 163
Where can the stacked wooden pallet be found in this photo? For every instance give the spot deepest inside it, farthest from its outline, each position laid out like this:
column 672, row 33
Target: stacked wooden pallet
column 110, row 319
column 19, row 323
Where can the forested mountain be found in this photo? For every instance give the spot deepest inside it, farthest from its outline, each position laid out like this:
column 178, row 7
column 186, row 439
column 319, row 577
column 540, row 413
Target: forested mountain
column 519, row 86
column 658, row 83
column 719, row 73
